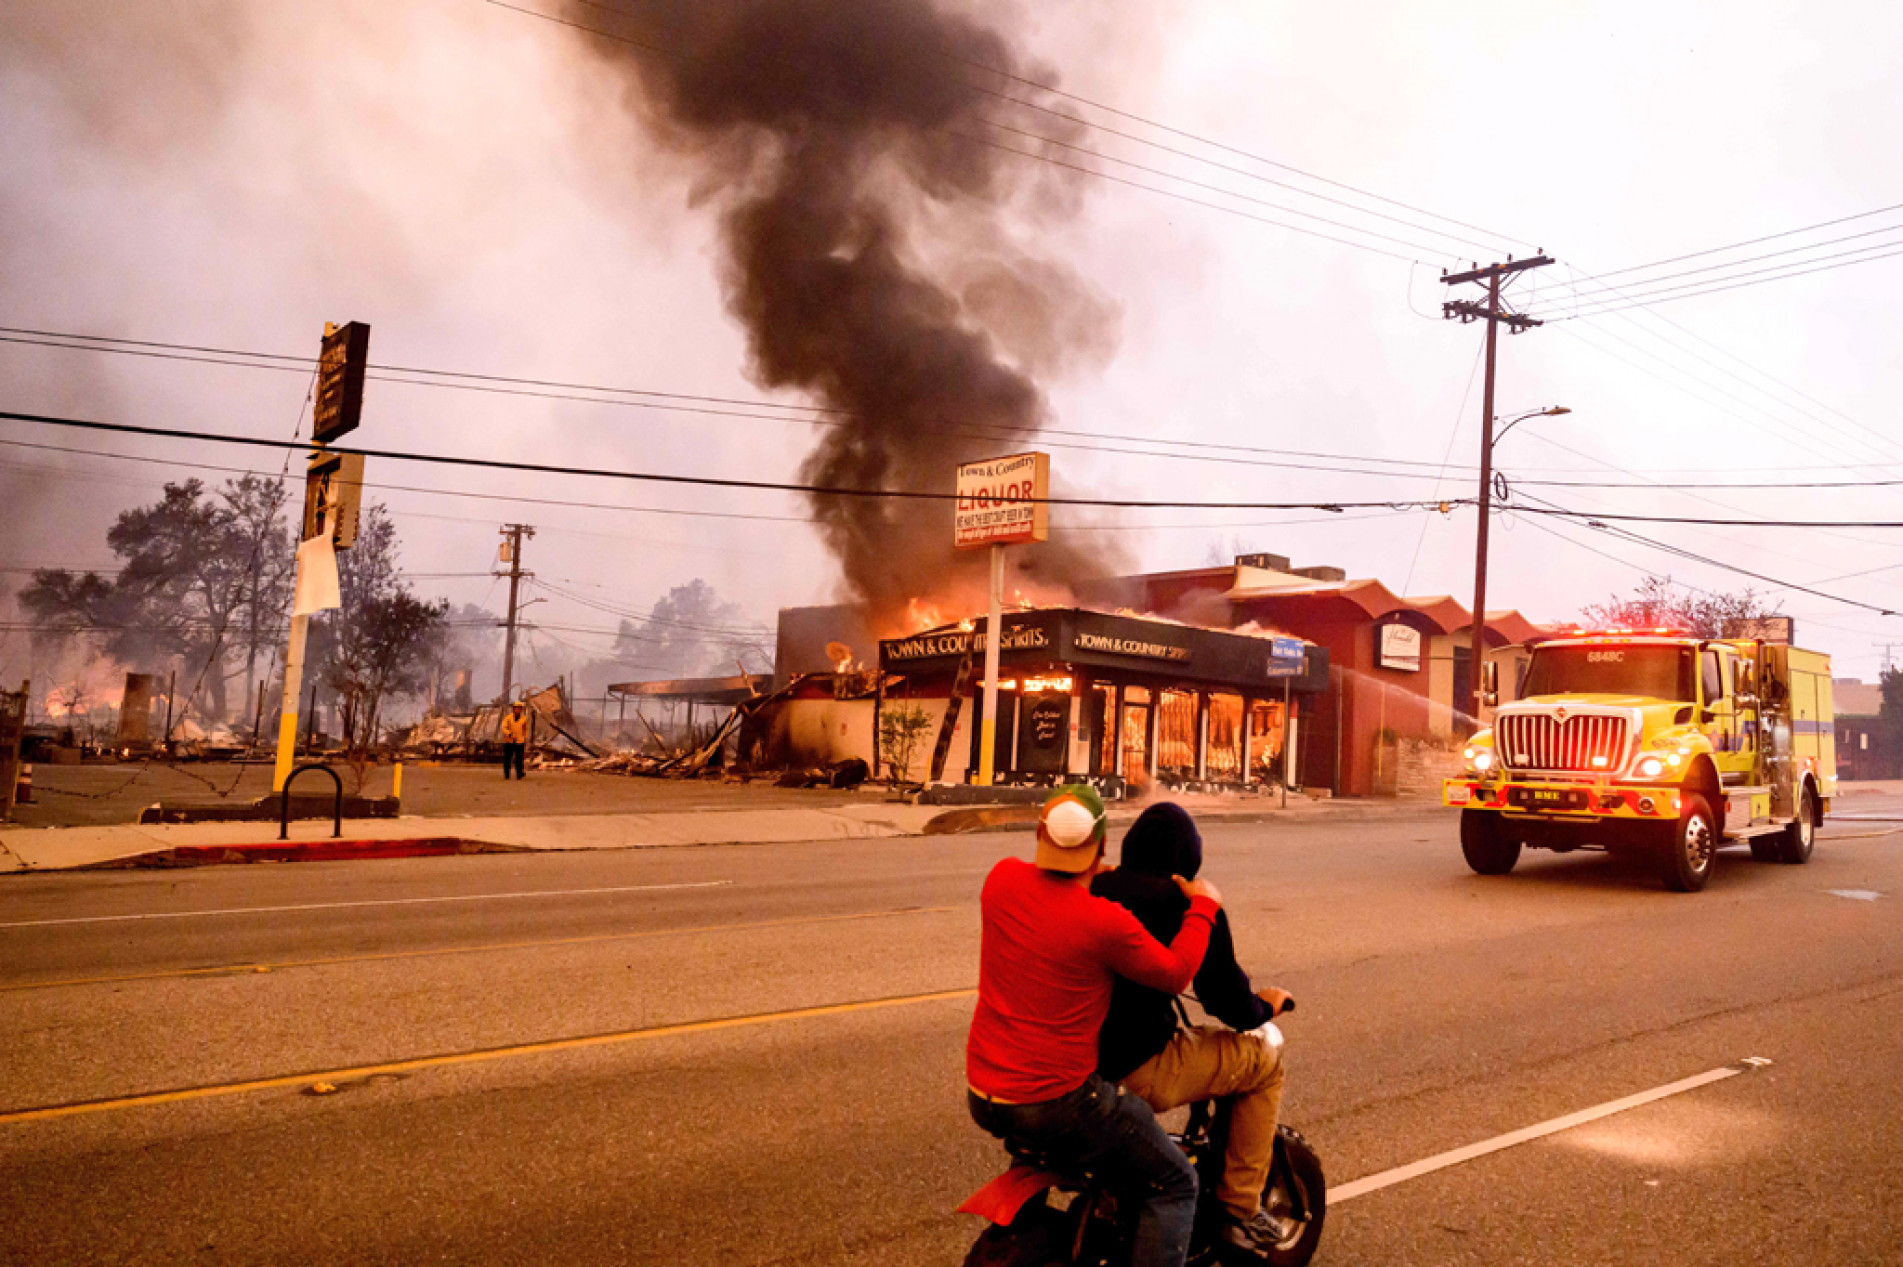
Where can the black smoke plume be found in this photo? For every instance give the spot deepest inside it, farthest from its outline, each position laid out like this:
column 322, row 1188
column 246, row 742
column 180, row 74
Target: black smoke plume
column 869, row 253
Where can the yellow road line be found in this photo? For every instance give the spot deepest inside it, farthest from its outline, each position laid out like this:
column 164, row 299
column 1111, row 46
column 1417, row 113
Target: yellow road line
column 240, row 968
column 473, row 1057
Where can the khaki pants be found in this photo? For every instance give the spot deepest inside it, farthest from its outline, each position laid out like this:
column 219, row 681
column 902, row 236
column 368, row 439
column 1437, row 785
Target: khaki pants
column 1213, row 1060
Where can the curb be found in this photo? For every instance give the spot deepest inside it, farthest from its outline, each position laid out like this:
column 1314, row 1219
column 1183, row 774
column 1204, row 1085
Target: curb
column 301, row 851
column 1020, row 817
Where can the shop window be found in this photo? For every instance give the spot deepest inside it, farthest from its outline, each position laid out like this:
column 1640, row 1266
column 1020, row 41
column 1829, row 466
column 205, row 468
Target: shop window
column 1176, row 735
column 1104, row 717
column 1225, row 738
column 1266, row 730
column 1135, row 766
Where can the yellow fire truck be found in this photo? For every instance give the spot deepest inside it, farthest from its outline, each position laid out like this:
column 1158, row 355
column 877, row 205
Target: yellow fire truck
column 1655, row 742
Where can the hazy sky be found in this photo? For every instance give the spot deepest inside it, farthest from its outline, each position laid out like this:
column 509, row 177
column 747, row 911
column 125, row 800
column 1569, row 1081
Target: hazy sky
column 472, row 182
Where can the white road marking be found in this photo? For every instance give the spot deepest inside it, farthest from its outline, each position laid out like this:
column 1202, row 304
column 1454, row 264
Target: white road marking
column 387, row 901
column 1855, row 895
column 1440, row 1161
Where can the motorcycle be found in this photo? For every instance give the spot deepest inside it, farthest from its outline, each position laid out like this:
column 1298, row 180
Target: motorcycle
column 1045, row 1212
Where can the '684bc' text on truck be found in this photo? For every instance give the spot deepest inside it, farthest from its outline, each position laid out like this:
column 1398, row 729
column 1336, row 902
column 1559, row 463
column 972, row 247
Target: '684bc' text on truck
column 1656, row 743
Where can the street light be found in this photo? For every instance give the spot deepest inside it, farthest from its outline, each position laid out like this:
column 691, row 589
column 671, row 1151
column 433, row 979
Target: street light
column 1477, row 636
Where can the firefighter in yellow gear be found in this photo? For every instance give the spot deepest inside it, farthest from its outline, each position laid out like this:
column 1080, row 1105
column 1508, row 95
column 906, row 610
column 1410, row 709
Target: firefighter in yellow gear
column 516, row 727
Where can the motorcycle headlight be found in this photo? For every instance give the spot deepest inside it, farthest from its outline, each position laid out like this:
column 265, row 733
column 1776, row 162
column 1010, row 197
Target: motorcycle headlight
column 1650, row 767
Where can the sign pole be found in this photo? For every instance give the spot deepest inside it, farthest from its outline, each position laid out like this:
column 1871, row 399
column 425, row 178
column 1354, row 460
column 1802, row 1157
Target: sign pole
column 994, row 636
column 333, row 489
column 293, row 688
column 1286, row 701
column 1000, row 501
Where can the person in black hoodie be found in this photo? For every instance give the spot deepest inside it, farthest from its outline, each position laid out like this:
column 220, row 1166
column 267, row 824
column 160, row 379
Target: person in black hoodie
column 1142, row 1045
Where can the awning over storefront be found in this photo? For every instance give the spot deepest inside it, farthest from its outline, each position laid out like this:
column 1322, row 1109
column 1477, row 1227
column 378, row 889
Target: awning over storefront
column 1128, row 646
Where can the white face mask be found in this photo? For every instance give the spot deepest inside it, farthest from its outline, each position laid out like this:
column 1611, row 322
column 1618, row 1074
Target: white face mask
column 1069, row 824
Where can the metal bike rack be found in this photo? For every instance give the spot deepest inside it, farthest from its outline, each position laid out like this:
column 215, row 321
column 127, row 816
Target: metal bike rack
column 284, row 806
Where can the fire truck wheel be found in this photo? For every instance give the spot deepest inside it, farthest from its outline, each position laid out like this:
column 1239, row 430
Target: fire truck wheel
column 1794, row 845
column 1487, row 848
column 1693, row 844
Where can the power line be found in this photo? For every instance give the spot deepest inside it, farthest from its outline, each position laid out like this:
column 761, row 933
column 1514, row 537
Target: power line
column 1748, row 365
column 1644, row 301
column 1591, row 515
column 617, row 506
column 1095, row 126
column 1769, row 237
column 545, row 468
column 1747, row 572
column 1809, row 438
column 1591, row 306
column 1044, row 158
column 629, row 613
column 1226, row 192
column 1230, row 149
column 1042, row 434
column 1168, row 193
column 1778, row 423
column 1636, row 539
column 1601, row 289
column 78, row 342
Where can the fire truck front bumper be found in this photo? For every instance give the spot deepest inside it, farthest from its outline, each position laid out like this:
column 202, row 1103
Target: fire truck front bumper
column 1574, row 802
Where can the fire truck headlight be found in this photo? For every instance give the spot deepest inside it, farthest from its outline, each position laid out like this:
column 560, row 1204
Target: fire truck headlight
column 1673, row 759
column 1651, row 768
column 1483, row 760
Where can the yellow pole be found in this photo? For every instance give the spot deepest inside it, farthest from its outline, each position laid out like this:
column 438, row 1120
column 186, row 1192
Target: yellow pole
column 396, row 787
column 293, row 684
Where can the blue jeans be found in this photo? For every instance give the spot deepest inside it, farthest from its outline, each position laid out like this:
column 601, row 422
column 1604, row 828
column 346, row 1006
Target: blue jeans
column 1117, row 1139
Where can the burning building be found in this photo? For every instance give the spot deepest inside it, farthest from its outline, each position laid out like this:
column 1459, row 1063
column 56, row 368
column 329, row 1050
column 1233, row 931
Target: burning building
column 1122, row 701
column 1117, row 699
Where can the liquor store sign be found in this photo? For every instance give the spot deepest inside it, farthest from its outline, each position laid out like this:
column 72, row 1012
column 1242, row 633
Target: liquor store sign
column 1003, row 501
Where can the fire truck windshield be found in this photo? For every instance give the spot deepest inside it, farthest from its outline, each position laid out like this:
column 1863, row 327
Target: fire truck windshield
column 1657, row 672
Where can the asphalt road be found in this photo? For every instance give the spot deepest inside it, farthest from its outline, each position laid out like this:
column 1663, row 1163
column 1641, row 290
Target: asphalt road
column 1437, row 1009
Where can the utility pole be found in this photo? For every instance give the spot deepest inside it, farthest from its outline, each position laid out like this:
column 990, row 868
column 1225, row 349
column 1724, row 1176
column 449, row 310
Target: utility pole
column 1493, row 275
column 512, row 555
column 1888, row 659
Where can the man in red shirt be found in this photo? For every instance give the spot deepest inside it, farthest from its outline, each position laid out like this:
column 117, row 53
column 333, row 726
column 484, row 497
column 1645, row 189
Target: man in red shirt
column 1049, row 956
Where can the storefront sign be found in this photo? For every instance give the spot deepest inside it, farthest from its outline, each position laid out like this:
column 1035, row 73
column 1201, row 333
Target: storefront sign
column 1048, row 644
column 1105, row 644
column 936, row 646
column 1001, row 501
column 1400, row 648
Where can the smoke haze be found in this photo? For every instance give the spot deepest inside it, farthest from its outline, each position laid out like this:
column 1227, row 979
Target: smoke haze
column 868, row 255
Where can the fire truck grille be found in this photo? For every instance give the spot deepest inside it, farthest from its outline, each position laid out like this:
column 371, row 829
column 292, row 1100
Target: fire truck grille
column 1585, row 745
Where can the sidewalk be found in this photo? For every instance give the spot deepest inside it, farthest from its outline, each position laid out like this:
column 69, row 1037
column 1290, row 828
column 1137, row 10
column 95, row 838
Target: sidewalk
column 69, row 848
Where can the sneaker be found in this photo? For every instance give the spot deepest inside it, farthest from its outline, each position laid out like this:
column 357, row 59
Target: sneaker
column 1257, row 1235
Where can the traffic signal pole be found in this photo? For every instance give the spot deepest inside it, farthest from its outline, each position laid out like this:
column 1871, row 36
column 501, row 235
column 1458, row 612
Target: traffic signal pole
column 1494, row 275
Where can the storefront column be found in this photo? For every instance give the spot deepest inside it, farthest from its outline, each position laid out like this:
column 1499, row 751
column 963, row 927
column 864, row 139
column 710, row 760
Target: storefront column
column 1248, row 740
column 1155, row 732
column 1202, row 735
